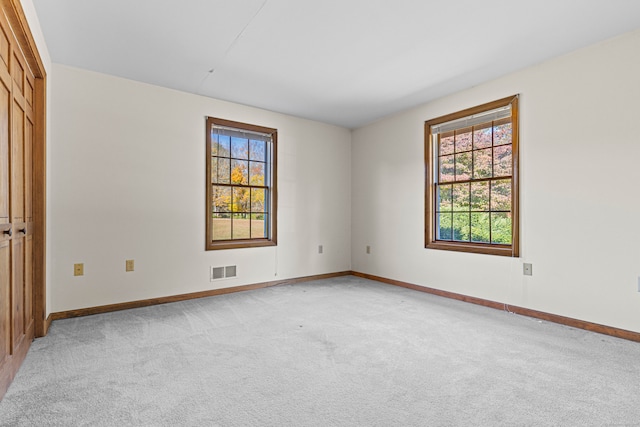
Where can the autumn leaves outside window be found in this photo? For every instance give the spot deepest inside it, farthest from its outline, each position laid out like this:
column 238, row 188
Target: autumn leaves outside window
column 241, row 203
column 472, row 197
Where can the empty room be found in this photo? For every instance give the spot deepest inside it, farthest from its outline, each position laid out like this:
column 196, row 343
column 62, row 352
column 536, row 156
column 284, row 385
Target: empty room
column 329, row 213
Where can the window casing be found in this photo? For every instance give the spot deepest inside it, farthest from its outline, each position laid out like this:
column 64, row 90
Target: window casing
column 241, row 199
column 471, row 196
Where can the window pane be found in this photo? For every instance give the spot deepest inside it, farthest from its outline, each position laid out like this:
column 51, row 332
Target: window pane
column 224, row 146
column 501, row 228
column 239, row 148
column 214, row 143
column 463, row 140
column 480, row 196
column 257, row 199
column 221, row 227
column 463, row 166
column 482, row 136
column 241, row 225
column 482, row 164
column 446, row 144
column 444, row 198
column 258, row 230
column 502, row 160
column 502, row 132
column 501, row 195
column 256, row 173
column 224, row 168
column 239, row 172
column 461, row 227
column 221, row 199
column 461, row 197
column 240, row 200
column 443, row 231
column 214, row 170
column 480, row 227
column 257, row 150
column 446, row 169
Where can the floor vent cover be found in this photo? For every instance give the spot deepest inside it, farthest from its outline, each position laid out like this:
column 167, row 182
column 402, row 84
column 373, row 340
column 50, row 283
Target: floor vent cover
column 219, row 273
column 230, row 271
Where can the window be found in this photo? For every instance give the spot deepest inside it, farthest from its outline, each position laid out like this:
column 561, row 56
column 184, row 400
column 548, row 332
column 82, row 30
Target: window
column 241, row 185
column 472, row 179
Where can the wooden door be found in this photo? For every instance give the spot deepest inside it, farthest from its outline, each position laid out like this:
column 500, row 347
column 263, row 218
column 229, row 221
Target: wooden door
column 16, row 214
column 5, row 220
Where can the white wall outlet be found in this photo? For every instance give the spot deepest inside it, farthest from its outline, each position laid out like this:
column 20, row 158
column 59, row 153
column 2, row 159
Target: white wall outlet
column 638, row 283
column 320, row 249
column 368, row 249
column 527, row 269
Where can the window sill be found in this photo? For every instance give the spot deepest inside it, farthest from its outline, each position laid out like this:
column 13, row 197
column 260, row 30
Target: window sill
column 477, row 248
column 236, row 244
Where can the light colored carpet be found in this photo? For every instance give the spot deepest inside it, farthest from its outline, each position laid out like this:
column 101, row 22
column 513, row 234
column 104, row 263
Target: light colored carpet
column 339, row 352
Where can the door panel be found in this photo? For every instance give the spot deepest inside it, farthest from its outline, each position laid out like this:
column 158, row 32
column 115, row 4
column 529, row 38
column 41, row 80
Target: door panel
column 4, row 48
column 5, row 222
column 28, row 284
column 28, row 213
column 5, row 306
column 4, row 152
column 17, row 164
column 17, row 104
column 28, row 175
column 17, row 299
column 17, row 208
column 17, row 71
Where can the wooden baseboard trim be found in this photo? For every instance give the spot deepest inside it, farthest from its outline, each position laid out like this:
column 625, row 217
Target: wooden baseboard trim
column 568, row 321
column 183, row 297
column 46, row 323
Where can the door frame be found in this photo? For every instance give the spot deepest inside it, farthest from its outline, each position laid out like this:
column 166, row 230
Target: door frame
column 20, row 26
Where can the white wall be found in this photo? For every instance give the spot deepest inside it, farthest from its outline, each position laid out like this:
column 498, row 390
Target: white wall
column 127, row 181
column 580, row 173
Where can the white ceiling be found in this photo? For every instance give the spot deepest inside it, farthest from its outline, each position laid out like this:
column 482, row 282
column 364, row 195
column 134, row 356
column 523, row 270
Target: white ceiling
column 346, row 62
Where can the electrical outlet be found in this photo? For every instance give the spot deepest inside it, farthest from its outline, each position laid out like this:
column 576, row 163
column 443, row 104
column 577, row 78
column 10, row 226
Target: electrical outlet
column 368, row 249
column 320, row 249
column 638, row 283
column 129, row 265
column 78, row 269
column 527, row 269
